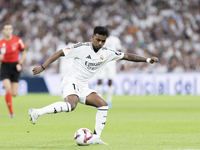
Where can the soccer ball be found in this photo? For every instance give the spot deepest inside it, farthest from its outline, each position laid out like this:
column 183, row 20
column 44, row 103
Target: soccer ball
column 82, row 136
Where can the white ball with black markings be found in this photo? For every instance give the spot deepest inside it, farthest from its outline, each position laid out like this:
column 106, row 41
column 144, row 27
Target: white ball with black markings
column 82, row 136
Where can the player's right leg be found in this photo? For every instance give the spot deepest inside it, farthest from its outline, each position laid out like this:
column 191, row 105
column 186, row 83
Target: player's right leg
column 69, row 93
column 67, row 106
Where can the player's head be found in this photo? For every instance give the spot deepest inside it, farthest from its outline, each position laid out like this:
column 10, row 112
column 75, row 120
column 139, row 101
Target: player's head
column 99, row 37
column 7, row 30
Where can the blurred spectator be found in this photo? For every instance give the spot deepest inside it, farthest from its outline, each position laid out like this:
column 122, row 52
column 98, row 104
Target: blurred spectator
column 169, row 29
column 161, row 67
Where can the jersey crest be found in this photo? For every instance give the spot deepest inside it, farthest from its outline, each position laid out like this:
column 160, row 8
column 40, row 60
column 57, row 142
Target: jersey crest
column 101, row 57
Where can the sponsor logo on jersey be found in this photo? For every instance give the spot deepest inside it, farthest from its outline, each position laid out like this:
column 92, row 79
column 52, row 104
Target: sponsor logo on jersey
column 92, row 66
column 101, row 57
column 89, row 57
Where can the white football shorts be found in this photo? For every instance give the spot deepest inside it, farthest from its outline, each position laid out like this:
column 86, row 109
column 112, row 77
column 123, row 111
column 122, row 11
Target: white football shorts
column 109, row 71
column 71, row 86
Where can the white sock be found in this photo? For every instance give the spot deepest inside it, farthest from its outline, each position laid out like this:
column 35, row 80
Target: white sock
column 99, row 89
column 55, row 108
column 110, row 94
column 101, row 117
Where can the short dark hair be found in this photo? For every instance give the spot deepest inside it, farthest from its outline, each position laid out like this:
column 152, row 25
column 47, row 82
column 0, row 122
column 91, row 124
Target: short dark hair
column 101, row 30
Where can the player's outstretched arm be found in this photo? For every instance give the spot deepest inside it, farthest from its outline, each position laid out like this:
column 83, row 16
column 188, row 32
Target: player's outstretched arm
column 136, row 58
column 51, row 59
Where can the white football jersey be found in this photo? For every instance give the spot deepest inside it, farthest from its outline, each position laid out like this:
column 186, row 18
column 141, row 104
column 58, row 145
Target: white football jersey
column 87, row 63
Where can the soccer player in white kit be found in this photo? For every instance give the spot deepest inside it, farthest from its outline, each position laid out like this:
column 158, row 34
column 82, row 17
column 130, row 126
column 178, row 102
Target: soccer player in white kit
column 110, row 70
column 89, row 59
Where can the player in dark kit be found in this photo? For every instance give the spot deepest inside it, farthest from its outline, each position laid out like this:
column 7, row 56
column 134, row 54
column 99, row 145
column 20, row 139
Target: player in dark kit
column 11, row 66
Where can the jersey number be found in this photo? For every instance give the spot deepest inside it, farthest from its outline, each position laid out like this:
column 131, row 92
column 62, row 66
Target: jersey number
column 75, row 88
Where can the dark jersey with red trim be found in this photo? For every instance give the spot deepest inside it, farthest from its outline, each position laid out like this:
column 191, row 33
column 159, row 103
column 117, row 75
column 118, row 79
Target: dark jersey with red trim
column 11, row 48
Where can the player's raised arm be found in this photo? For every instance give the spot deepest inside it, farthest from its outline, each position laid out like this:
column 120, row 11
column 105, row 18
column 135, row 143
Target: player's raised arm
column 136, row 58
column 51, row 59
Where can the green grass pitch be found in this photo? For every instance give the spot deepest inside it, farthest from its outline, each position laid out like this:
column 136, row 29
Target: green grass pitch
column 134, row 123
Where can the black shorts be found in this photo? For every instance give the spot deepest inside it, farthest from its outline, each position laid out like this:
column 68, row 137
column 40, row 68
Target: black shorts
column 9, row 71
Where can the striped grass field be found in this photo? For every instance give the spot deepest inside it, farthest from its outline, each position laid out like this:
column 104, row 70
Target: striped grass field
column 134, row 123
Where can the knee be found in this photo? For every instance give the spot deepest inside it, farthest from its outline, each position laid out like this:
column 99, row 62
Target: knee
column 73, row 106
column 103, row 103
column 72, row 100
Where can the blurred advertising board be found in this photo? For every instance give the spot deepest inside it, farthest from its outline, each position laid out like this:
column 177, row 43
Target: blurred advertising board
column 124, row 83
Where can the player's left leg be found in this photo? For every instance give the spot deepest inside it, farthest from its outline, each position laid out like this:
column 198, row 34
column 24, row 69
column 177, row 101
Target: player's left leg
column 95, row 100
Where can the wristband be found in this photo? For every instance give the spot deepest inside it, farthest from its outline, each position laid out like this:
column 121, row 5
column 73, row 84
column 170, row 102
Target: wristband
column 43, row 68
column 20, row 64
column 148, row 60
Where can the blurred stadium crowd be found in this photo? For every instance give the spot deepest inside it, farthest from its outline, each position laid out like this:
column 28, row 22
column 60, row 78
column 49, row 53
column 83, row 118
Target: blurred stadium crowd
column 168, row 29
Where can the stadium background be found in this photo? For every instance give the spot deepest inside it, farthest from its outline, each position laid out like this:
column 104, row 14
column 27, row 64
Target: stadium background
column 167, row 29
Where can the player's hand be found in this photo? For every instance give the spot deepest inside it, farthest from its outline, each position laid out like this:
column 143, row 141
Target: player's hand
column 37, row 70
column 154, row 59
column 19, row 67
